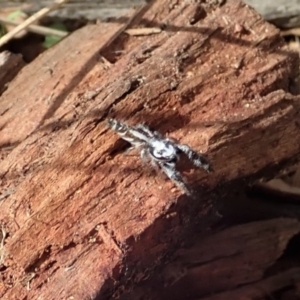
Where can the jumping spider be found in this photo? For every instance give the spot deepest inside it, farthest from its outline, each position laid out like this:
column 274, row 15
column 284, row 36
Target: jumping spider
column 161, row 152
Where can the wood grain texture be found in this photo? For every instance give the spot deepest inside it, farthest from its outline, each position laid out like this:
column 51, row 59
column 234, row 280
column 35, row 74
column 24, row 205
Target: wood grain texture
column 235, row 263
column 78, row 213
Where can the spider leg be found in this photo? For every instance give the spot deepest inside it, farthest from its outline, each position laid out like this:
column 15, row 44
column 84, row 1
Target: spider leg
column 145, row 155
column 175, row 176
column 143, row 128
column 126, row 152
column 123, row 130
column 146, row 132
column 147, row 158
column 140, row 132
column 197, row 159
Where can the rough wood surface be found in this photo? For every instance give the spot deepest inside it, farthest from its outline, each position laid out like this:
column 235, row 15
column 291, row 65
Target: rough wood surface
column 10, row 65
column 238, row 260
column 77, row 215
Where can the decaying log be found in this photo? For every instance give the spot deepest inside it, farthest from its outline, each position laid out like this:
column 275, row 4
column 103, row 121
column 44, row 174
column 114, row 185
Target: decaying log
column 10, row 65
column 235, row 260
column 79, row 218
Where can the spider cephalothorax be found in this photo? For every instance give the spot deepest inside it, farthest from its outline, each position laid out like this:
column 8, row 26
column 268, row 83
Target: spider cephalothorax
column 159, row 151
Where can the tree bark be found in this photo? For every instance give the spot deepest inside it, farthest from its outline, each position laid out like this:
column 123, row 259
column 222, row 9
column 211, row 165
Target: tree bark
column 79, row 218
column 235, row 263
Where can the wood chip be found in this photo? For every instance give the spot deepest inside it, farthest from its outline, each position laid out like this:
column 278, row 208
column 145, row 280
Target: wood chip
column 143, row 31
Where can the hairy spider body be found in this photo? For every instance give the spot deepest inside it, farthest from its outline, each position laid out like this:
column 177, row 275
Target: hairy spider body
column 161, row 152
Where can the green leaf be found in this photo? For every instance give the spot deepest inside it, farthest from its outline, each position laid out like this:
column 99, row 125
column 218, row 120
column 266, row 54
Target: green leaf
column 51, row 40
column 15, row 14
column 3, row 30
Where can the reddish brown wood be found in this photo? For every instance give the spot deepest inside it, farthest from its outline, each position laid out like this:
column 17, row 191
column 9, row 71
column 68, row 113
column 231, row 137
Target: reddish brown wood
column 231, row 264
column 77, row 212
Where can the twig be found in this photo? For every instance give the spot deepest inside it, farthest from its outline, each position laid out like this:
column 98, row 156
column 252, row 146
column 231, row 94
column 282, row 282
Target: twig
column 4, row 235
column 143, row 31
column 292, row 31
column 41, row 13
column 37, row 28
